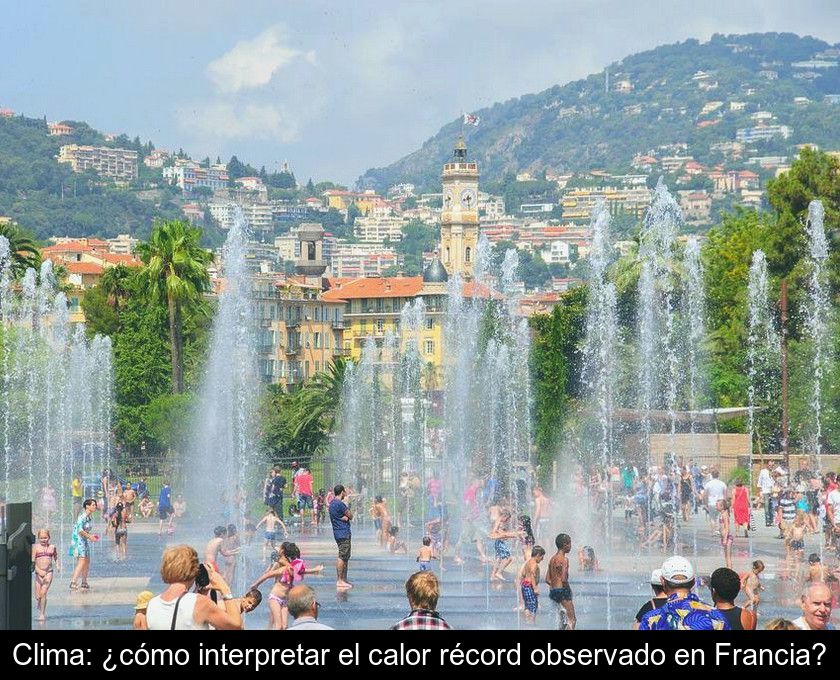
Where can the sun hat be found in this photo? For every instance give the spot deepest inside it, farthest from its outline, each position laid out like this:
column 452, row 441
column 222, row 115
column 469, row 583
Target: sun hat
column 143, row 600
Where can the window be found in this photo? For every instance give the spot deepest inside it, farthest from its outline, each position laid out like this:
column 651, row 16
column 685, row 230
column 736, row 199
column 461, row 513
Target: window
column 447, row 255
column 430, row 324
column 380, row 326
column 468, row 254
column 316, row 341
column 430, row 346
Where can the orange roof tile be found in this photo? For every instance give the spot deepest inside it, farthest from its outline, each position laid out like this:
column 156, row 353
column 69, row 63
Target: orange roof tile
column 83, row 268
column 375, row 287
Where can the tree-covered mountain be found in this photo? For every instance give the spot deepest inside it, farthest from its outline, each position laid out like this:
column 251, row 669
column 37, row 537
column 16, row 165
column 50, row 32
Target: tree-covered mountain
column 650, row 99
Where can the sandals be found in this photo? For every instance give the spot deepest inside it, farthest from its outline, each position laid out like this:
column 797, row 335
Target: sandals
column 74, row 585
column 85, row 586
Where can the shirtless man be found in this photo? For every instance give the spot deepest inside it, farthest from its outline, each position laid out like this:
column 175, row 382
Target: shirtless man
column 557, row 579
column 542, row 512
column 529, row 584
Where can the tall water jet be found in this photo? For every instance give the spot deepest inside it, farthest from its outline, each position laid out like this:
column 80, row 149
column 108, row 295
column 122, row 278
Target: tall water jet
column 762, row 345
column 601, row 337
column 600, row 354
column 224, row 456
column 817, row 319
column 659, row 361
column 56, row 396
column 694, row 313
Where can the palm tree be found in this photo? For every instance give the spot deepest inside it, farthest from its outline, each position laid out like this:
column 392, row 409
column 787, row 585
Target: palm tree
column 113, row 284
column 24, row 252
column 175, row 272
column 315, row 406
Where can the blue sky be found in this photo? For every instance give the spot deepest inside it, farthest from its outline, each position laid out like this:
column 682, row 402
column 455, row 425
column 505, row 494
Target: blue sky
column 334, row 87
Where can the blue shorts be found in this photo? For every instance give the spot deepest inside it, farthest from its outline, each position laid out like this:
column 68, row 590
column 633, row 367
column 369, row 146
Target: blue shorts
column 270, row 535
column 425, row 566
column 502, row 550
column 377, row 524
column 304, row 502
column 529, row 597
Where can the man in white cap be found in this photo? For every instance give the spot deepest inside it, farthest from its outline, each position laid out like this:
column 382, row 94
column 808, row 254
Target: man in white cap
column 683, row 610
column 659, row 597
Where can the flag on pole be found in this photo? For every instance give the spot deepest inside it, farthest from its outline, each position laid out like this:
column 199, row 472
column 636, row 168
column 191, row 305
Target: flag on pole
column 471, row 119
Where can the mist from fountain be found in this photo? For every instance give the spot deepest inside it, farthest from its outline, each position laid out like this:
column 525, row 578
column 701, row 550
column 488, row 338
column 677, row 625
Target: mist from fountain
column 224, row 457
column 56, row 396
column 818, row 319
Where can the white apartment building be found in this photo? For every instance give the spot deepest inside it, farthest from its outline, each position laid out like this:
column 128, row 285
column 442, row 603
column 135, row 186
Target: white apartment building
column 259, row 216
column 118, row 164
column 123, row 244
column 375, row 229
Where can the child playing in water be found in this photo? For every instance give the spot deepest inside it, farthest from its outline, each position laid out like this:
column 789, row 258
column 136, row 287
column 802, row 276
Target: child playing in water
column 271, row 520
column 381, row 519
column 726, row 538
column 44, row 559
column 395, row 546
column 426, row 554
column 526, row 536
column 587, row 560
column 119, row 524
column 287, row 570
column 751, row 585
column 500, row 533
column 796, row 537
column 529, row 584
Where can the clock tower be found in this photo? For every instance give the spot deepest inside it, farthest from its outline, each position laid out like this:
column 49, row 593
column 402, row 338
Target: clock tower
column 459, row 215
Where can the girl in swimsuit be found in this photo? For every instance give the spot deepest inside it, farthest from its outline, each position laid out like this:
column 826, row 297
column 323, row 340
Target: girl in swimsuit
column 726, row 539
column 526, row 533
column 287, row 570
column 44, row 558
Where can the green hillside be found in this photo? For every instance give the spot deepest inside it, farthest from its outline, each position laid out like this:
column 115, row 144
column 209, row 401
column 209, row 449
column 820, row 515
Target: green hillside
column 581, row 125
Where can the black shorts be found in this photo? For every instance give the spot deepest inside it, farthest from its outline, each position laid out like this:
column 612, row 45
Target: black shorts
column 560, row 594
column 164, row 511
column 343, row 548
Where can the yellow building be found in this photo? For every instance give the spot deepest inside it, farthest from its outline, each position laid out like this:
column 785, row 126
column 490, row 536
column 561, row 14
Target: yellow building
column 459, row 214
column 301, row 333
column 372, row 308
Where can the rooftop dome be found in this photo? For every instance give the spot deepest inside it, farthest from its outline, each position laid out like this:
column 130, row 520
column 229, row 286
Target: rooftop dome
column 435, row 272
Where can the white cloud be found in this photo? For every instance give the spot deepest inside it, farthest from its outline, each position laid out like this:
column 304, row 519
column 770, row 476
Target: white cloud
column 253, row 63
column 223, row 120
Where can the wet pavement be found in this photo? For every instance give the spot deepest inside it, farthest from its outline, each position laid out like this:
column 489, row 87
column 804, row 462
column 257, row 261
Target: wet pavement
column 606, row 599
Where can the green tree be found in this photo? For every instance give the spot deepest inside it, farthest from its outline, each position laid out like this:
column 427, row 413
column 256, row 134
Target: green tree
column 113, row 284
column 22, row 248
column 100, row 317
column 814, row 175
column 175, row 274
column 555, row 371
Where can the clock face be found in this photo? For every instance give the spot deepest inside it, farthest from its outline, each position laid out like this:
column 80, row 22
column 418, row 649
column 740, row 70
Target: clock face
column 468, row 199
column 447, row 200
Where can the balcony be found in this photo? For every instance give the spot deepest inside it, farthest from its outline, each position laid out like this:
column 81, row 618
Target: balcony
column 293, row 350
column 266, row 348
column 341, row 352
column 293, row 323
column 338, row 325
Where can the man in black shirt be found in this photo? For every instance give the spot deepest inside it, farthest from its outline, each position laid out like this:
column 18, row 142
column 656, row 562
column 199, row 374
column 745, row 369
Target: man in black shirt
column 659, row 597
column 275, row 484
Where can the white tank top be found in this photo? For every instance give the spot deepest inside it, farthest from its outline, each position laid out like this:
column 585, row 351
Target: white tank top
column 159, row 614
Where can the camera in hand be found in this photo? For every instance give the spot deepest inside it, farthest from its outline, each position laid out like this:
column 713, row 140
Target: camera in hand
column 202, row 579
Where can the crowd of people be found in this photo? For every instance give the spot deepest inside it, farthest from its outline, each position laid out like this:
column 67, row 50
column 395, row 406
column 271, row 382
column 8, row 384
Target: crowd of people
column 498, row 530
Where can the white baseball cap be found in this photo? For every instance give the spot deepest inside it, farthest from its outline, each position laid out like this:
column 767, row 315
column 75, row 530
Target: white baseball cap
column 678, row 570
column 656, row 577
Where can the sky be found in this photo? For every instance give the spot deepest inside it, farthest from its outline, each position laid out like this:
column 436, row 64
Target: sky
column 333, row 87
